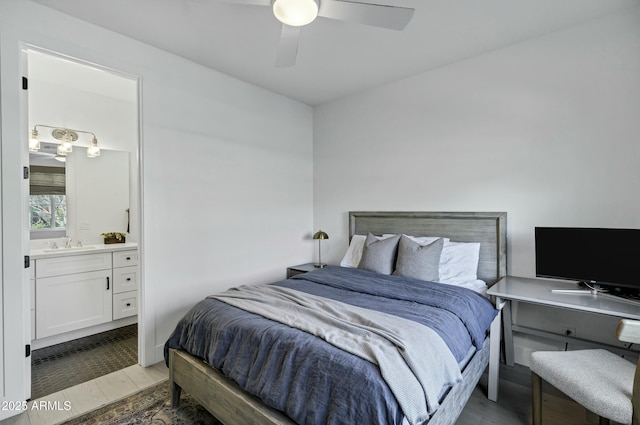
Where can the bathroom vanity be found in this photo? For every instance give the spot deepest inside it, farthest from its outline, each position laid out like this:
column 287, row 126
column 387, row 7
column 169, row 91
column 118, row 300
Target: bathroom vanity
column 82, row 290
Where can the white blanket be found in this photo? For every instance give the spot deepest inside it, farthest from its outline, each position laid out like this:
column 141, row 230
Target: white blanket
column 413, row 360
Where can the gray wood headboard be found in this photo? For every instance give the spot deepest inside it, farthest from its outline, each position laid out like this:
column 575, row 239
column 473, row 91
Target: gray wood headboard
column 488, row 228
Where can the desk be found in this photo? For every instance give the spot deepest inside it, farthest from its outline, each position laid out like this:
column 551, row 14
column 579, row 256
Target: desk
column 538, row 291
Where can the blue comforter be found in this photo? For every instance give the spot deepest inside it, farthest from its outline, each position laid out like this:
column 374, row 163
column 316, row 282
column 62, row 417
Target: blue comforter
column 310, row 380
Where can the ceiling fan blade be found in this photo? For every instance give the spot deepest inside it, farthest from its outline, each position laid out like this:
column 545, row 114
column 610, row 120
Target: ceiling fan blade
column 288, row 47
column 391, row 17
column 250, row 2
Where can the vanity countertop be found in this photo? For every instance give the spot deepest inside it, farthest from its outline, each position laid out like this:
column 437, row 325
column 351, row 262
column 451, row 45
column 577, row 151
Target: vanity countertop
column 89, row 249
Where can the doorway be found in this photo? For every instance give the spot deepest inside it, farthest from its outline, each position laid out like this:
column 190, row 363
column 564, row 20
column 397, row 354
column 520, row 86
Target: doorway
column 84, row 126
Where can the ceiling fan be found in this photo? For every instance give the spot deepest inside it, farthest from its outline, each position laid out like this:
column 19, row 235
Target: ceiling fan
column 295, row 14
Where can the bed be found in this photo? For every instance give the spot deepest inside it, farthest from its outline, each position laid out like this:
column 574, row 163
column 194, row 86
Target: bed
column 232, row 405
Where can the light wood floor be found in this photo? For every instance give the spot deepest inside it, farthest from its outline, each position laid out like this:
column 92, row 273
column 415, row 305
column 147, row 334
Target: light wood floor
column 513, row 406
column 514, row 403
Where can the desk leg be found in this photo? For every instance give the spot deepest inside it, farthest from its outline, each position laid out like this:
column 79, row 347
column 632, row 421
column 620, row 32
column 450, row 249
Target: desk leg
column 494, row 353
column 508, row 334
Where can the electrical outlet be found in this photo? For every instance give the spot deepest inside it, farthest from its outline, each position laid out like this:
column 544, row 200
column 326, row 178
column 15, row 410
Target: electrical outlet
column 568, row 331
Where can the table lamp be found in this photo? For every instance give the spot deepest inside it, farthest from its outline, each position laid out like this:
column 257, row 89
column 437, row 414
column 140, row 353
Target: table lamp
column 319, row 235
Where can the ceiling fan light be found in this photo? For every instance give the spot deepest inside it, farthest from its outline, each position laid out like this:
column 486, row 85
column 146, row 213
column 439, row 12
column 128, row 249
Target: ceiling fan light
column 295, row 13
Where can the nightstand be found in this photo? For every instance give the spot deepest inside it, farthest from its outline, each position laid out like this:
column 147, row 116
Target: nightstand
column 302, row 268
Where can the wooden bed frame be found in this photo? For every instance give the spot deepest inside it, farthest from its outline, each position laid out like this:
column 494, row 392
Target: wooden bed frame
column 233, row 406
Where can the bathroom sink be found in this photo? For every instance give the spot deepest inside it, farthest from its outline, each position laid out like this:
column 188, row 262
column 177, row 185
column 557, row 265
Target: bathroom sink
column 73, row 248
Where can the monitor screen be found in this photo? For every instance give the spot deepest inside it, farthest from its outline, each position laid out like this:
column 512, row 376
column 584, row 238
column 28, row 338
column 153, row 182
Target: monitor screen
column 593, row 255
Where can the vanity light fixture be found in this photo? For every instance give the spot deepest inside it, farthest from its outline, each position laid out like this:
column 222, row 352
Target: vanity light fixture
column 34, row 141
column 319, row 235
column 66, row 137
column 93, row 150
column 295, row 13
column 61, row 150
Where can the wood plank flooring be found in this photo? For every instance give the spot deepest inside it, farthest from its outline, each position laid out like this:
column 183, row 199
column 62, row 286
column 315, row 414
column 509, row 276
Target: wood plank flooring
column 514, row 403
column 513, row 406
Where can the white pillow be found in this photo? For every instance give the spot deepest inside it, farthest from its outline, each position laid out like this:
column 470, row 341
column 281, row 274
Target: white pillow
column 459, row 262
column 354, row 253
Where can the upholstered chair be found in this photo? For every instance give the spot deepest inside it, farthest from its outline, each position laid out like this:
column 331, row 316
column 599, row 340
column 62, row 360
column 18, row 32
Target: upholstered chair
column 599, row 380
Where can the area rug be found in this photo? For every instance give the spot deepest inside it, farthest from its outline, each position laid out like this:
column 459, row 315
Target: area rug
column 148, row 407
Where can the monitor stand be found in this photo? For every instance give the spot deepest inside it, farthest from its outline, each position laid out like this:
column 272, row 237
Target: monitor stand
column 576, row 291
column 589, row 290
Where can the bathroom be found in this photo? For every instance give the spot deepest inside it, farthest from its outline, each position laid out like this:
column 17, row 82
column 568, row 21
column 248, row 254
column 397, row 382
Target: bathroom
column 83, row 288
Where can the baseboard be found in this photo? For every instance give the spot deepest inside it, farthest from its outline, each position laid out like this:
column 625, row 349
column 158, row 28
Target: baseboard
column 81, row 333
column 158, row 353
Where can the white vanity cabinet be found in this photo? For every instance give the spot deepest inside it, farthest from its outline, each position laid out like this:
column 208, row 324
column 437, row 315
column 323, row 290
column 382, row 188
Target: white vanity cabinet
column 72, row 292
column 125, row 284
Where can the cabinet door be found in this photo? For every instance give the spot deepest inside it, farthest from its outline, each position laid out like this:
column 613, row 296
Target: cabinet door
column 67, row 303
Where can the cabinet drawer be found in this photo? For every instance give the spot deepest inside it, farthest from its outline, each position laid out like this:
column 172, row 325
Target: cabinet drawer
column 58, row 266
column 125, row 304
column 125, row 258
column 125, row 279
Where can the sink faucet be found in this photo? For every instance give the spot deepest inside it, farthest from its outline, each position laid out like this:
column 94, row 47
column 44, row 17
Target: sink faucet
column 67, row 242
column 54, row 245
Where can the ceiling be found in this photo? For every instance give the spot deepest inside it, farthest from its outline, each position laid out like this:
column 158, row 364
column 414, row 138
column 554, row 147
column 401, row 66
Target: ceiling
column 335, row 58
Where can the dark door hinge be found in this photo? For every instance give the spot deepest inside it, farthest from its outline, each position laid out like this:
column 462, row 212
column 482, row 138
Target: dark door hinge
column 25, row 173
column 27, row 350
column 27, row 261
column 25, row 83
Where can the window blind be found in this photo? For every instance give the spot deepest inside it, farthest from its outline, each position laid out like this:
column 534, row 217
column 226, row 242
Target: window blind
column 46, row 180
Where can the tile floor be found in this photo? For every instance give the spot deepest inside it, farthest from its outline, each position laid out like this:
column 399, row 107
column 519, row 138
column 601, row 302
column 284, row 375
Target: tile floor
column 91, row 395
column 64, row 365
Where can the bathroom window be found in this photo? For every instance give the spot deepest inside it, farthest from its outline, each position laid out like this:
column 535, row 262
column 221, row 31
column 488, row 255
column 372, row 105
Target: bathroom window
column 47, row 202
column 48, row 212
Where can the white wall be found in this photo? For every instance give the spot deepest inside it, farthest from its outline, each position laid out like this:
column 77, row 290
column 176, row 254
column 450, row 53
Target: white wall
column 226, row 167
column 547, row 130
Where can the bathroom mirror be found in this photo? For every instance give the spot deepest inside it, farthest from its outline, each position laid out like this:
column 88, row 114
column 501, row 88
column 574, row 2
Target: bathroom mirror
column 96, row 195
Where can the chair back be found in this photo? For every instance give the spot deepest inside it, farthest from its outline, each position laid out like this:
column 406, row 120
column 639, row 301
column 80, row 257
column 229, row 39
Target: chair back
column 629, row 331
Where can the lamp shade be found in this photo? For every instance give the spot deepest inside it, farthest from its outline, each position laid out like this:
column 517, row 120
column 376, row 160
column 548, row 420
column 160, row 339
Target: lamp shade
column 320, row 235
